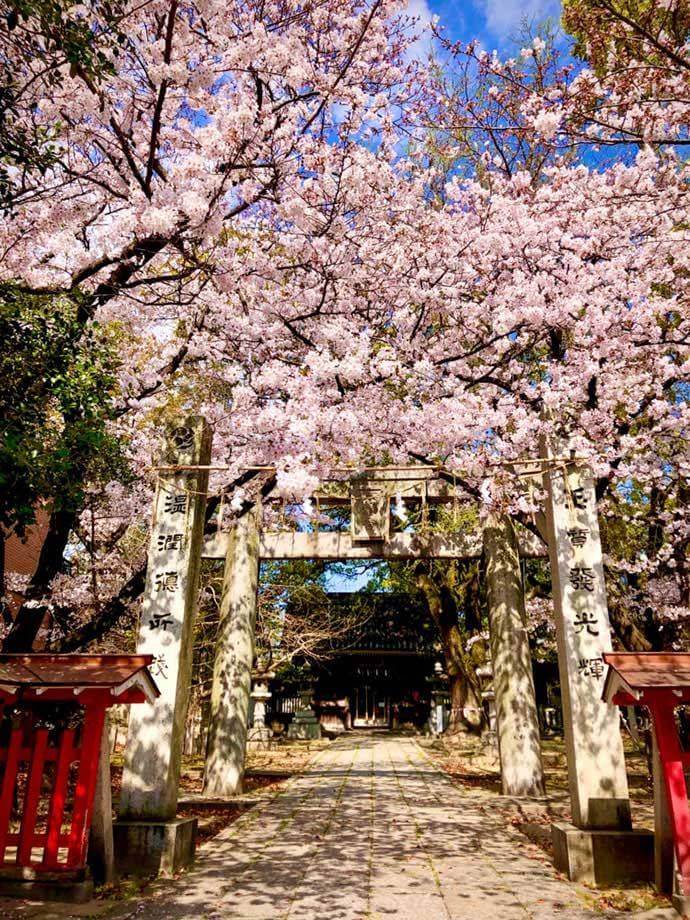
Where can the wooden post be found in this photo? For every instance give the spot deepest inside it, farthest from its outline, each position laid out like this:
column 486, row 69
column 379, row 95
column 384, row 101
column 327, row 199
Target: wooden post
column 101, row 855
column 232, row 671
column 672, row 758
column 663, row 826
column 513, row 681
column 155, row 734
column 9, row 780
column 92, row 734
column 58, row 798
column 31, row 796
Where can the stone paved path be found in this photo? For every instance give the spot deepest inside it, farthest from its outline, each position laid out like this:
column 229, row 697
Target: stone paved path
column 371, row 831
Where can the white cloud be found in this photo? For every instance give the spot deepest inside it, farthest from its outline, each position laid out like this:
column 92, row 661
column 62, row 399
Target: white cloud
column 503, row 17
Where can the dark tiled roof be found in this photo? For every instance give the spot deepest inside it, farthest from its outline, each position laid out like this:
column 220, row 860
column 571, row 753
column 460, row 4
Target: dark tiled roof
column 398, row 623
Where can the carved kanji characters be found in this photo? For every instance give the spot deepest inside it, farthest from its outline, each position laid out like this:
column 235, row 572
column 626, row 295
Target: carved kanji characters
column 586, row 621
column 170, row 541
column 579, row 498
column 160, row 621
column 167, row 581
column 176, row 503
column 591, row 667
column 582, row 578
column 578, row 537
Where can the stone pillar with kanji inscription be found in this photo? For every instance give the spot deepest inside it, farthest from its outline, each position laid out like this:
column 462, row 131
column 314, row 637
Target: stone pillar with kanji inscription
column 232, row 670
column 599, row 846
column 148, row 836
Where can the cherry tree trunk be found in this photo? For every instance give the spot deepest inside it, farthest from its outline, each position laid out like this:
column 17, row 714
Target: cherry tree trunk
column 465, row 706
column 466, row 712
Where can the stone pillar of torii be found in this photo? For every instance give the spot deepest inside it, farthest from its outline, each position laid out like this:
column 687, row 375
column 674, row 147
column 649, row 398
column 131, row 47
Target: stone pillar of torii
column 594, row 847
column 232, row 670
column 599, row 846
column 517, row 719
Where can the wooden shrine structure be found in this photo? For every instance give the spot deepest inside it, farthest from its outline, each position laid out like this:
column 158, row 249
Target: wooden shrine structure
column 52, row 713
column 660, row 681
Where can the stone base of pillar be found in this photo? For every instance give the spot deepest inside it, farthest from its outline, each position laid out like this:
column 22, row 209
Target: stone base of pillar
column 160, row 847
column 681, row 903
column 603, row 857
column 21, row 882
column 304, row 726
column 259, row 739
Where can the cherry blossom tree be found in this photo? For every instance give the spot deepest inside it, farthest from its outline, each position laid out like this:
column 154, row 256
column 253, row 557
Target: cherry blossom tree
column 516, row 308
column 195, row 156
column 235, row 200
column 636, row 88
column 58, row 34
column 538, row 118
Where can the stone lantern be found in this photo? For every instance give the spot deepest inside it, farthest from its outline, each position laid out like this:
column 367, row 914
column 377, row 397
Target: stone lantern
column 259, row 735
column 439, row 692
column 486, row 677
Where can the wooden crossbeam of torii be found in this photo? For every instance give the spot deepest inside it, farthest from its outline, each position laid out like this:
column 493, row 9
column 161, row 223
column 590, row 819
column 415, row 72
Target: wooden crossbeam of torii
column 340, row 545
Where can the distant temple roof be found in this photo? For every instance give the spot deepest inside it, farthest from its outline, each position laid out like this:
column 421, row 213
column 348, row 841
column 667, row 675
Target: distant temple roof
column 398, row 623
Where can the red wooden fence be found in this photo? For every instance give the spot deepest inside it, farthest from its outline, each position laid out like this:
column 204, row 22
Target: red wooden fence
column 53, row 814
column 48, row 776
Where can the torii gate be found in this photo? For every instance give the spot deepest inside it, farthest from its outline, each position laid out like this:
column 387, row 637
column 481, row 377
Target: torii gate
column 148, row 830
column 368, row 494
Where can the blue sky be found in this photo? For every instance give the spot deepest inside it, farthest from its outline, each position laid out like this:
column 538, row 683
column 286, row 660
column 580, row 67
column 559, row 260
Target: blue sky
column 493, row 22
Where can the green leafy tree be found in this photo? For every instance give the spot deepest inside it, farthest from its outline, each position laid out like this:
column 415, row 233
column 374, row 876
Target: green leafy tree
column 634, row 30
column 58, row 379
column 57, row 398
